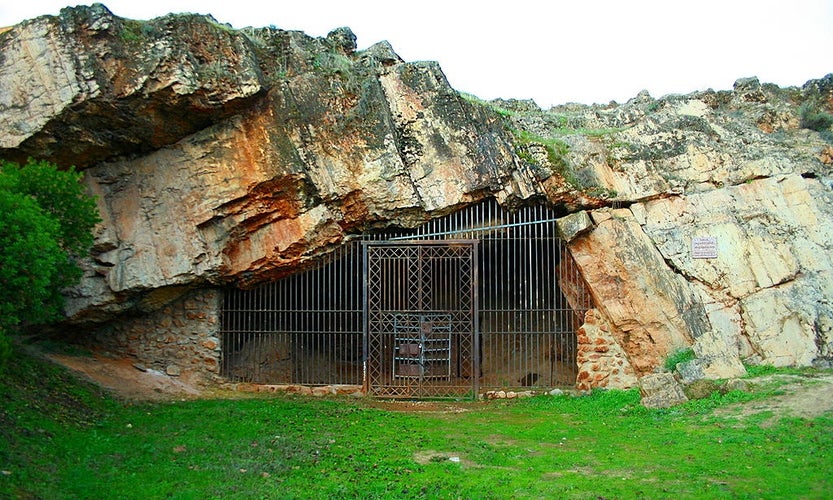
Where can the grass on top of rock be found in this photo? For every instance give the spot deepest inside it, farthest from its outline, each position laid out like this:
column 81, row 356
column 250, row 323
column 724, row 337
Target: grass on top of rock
column 65, row 439
column 678, row 356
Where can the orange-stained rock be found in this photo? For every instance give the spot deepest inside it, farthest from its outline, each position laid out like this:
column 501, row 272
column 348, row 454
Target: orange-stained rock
column 607, row 364
column 233, row 157
column 650, row 309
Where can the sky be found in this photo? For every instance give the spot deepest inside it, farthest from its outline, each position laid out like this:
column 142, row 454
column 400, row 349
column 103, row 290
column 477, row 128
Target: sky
column 554, row 52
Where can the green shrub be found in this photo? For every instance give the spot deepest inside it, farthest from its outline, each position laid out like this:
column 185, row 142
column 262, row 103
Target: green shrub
column 5, row 349
column 814, row 119
column 678, row 356
column 46, row 222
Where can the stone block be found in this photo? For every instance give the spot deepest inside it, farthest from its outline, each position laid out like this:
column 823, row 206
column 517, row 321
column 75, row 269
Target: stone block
column 573, row 225
column 661, row 390
column 690, row 371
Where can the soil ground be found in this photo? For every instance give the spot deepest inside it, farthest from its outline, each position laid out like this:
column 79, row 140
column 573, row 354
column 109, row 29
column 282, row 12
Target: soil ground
column 804, row 397
column 127, row 380
column 801, row 396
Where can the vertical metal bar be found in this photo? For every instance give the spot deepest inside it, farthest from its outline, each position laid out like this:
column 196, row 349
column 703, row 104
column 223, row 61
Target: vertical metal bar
column 357, row 329
column 251, row 335
column 294, row 320
column 336, row 319
column 475, row 320
column 224, row 333
column 319, row 357
column 339, row 319
column 365, row 324
column 286, row 326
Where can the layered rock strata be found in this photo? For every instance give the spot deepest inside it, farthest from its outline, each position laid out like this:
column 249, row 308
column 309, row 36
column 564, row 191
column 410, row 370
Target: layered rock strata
column 233, row 157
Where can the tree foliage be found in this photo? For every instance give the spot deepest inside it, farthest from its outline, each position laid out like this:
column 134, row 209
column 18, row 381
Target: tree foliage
column 46, row 224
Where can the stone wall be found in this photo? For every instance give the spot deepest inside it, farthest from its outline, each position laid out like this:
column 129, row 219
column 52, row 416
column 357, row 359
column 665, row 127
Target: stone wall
column 601, row 361
column 767, row 292
column 180, row 338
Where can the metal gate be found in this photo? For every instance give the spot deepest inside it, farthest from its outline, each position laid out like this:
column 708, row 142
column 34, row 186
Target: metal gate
column 420, row 318
column 481, row 299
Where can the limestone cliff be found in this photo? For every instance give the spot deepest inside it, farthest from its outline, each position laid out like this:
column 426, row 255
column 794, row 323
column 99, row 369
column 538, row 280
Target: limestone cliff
column 237, row 156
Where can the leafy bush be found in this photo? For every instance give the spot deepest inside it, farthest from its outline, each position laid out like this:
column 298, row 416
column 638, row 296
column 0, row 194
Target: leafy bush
column 814, row 119
column 30, row 259
column 679, row 356
column 46, row 222
column 5, row 350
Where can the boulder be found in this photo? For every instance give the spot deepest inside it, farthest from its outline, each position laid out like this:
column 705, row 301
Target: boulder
column 661, row 390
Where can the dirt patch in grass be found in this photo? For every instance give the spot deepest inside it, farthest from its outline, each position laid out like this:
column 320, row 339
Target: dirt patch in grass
column 803, row 396
column 424, row 457
column 128, row 380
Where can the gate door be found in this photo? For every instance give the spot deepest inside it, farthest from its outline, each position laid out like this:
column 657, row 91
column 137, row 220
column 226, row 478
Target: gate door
column 420, row 322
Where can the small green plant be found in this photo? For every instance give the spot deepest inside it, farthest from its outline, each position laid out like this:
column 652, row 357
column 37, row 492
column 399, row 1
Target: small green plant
column 556, row 148
column 588, row 132
column 678, row 356
column 653, row 106
column 814, row 119
column 331, row 63
column 133, row 31
column 602, row 192
column 763, row 370
column 5, row 349
column 759, row 370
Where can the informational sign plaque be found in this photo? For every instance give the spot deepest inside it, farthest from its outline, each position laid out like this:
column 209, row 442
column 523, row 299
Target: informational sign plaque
column 704, row 247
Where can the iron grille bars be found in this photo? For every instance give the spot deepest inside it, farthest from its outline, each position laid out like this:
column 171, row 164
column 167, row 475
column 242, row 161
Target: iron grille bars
column 420, row 317
column 303, row 329
column 316, row 328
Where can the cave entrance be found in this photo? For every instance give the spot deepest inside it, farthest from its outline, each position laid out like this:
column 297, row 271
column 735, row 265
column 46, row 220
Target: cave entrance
column 494, row 291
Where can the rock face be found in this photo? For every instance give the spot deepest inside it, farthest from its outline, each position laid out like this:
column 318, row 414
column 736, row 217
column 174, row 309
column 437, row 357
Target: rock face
column 661, row 390
column 224, row 156
column 87, row 86
column 736, row 168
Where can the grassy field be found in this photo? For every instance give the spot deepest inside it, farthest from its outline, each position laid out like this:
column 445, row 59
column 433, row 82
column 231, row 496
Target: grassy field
column 65, row 439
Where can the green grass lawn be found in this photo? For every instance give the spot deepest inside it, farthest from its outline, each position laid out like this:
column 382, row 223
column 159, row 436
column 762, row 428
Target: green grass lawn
column 65, row 439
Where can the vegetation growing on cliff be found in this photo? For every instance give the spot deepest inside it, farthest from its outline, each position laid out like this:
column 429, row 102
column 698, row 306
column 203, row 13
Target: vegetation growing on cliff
column 549, row 131
column 46, row 223
column 815, row 119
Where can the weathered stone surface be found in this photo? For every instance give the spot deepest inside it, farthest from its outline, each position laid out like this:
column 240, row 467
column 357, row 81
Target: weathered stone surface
column 224, row 156
column 87, row 85
column 661, row 390
column 573, row 225
column 287, row 145
column 602, row 363
column 507, row 394
column 768, row 291
column 180, row 337
column 690, row 371
column 652, row 310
